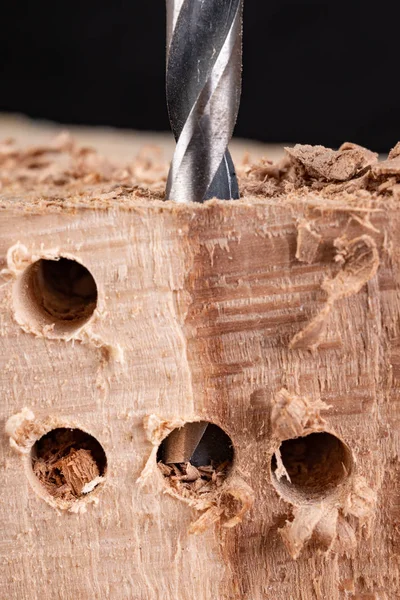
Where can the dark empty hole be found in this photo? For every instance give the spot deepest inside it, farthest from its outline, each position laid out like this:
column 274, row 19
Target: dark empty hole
column 64, row 289
column 69, row 463
column 316, row 464
column 196, row 458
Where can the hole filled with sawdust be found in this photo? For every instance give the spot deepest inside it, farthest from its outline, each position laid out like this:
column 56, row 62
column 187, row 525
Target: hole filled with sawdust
column 195, row 459
column 69, row 463
column 311, row 467
column 55, row 296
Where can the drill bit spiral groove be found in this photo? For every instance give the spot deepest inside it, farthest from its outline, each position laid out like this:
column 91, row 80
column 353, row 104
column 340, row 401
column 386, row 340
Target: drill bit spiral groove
column 204, row 50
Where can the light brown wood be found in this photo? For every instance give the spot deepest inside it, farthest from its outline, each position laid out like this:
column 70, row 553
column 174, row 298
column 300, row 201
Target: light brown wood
column 120, row 144
column 216, row 313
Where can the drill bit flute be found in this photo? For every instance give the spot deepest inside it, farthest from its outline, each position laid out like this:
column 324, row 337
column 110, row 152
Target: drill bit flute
column 204, row 62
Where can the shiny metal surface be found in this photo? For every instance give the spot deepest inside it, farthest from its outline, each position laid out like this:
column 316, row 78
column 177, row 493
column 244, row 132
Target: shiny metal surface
column 204, row 63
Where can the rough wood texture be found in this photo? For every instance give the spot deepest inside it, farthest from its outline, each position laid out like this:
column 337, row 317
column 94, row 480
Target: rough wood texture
column 276, row 316
column 116, row 143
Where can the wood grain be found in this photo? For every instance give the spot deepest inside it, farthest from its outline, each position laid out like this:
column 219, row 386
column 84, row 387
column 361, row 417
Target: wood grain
column 196, row 311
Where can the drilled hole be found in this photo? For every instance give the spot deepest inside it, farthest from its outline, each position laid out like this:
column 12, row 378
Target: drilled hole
column 196, row 458
column 60, row 294
column 311, row 466
column 69, row 463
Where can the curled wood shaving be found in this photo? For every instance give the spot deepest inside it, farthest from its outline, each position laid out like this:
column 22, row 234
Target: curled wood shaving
column 190, row 481
column 207, row 489
column 157, row 428
column 318, row 162
column 360, row 261
column 323, row 524
column 361, row 501
column 293, row 416
column 298, row 532
column 229, row 508
column 326, row 523
column 352, row 172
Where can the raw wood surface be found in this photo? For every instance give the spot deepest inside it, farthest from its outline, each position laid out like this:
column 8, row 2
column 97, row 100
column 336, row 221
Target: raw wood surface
column 116, row 143
column 274, row 317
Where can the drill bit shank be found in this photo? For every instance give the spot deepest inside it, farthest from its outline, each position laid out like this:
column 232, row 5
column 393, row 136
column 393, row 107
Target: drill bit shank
column 204, row 46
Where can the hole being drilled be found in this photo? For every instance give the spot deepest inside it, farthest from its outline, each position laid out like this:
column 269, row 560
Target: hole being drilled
column 196, row 458
column 311, row 467
column 69, row 463
column 59, row 293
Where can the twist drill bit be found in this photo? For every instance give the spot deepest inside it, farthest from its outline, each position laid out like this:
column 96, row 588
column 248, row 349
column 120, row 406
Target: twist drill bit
column 204, row 63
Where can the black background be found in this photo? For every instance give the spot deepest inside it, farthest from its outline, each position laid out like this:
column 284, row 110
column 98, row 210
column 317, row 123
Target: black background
column 317, row 72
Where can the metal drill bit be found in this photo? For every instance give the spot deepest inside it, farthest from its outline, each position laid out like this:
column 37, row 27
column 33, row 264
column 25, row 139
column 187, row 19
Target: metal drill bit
column 204, row 64
column 182, row 443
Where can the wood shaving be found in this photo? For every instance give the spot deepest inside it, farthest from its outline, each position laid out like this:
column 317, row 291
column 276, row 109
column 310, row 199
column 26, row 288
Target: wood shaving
column 195, row 481
column 65, row 470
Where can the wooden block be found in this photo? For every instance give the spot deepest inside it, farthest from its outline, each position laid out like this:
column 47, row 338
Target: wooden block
column 144, row 315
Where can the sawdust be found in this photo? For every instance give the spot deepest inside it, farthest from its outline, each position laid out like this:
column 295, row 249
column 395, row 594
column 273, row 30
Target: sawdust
column 318, row 162
column 388, row 167
column 65, row 164
column 205, row 482
column 67, row 462
column 195, row 459
column 195, row 482
column 63, row 175
column 352, row 173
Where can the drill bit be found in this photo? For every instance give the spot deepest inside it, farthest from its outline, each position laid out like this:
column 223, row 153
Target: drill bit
column 182, row 443
column 204, row 64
